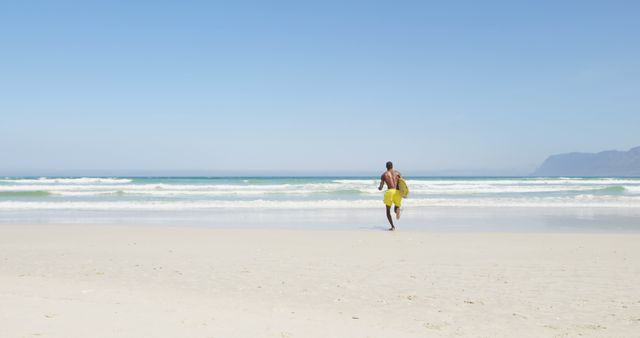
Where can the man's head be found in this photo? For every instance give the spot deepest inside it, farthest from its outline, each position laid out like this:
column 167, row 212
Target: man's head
column 389, row 165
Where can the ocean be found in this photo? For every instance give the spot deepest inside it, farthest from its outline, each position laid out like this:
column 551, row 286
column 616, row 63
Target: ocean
column 319, row 201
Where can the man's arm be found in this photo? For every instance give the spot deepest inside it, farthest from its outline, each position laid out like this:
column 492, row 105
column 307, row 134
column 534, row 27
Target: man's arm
column 397, row 179
column 381, row 182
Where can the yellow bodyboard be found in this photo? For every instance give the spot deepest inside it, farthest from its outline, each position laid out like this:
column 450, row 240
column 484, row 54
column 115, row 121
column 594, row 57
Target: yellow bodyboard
column 402, row 186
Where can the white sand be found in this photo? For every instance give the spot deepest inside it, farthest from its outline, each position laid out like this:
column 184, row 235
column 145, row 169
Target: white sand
column 143, row 281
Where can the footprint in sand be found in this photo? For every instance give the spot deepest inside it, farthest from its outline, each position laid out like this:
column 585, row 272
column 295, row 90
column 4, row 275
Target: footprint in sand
column 435, row 326
column 518, row 315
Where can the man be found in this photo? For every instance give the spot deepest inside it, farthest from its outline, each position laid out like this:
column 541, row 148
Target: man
column 392, row 195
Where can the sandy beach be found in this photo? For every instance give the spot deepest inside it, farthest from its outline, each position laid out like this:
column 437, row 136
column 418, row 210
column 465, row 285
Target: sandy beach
column 168, row 281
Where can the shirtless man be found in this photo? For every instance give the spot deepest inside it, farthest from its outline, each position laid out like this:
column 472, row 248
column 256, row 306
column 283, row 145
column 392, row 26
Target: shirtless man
column 392, row 195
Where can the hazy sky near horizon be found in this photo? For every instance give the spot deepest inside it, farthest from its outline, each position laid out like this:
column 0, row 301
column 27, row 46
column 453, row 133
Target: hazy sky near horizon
column 327, row 86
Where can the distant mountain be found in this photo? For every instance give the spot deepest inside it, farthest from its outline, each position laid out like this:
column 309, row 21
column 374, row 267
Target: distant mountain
column 606, row 163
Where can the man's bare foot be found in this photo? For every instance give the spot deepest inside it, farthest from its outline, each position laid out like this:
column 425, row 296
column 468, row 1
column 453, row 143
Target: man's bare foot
column 392, row 228
column 398, row 213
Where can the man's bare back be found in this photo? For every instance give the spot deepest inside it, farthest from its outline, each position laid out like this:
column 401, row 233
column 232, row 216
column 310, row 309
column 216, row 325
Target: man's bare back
column 391, row 178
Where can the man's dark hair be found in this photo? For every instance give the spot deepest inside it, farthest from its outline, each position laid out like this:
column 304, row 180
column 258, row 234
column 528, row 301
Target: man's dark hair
column 389, row 165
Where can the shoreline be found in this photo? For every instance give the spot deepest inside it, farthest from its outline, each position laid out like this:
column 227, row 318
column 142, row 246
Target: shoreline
column 449, row 219
column 164, row 281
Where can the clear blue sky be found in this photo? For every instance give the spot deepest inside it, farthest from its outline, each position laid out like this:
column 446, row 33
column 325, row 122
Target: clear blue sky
column 314, row 87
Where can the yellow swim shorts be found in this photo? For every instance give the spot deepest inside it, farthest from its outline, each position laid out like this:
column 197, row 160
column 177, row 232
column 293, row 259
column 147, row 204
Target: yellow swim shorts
column 393, row 196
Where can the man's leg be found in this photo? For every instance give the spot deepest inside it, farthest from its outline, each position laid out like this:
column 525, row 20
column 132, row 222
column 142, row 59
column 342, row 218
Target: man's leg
column 397, row 202
column 389, row 217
